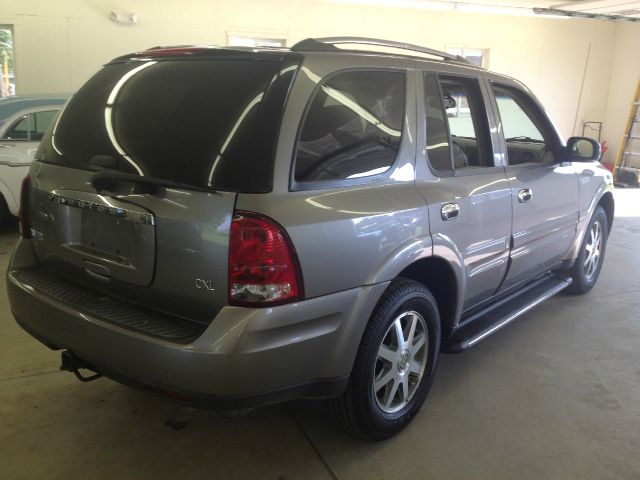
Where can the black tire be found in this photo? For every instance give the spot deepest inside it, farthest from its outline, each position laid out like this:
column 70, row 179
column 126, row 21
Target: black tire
column 584, row 278
column 358, row 410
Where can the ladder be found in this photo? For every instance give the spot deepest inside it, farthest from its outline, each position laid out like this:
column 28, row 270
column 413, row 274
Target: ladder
column 627, row 166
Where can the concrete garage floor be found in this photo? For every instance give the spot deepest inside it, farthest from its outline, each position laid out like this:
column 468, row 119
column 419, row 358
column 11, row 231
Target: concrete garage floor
column 555, row 395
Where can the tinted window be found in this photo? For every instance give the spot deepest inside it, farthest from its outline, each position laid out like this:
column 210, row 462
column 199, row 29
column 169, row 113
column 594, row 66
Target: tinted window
column 525, row 136
column 467, row 119
column 31, row 127
column 352, row 128
column 189, row 121
column 40, row 122
column 19, row 130
column 438, row 148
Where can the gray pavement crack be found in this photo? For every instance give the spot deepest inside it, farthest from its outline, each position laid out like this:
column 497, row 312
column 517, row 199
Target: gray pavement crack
column 310, row 442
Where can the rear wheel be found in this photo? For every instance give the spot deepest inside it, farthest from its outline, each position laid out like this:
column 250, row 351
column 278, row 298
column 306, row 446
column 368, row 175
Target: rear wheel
column 395, row 364
column 587, row 268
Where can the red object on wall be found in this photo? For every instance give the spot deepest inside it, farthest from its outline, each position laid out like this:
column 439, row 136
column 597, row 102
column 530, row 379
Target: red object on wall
column 603, row 150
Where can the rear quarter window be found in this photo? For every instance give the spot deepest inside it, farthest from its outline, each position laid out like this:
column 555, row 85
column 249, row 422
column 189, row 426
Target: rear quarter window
column 352, row 129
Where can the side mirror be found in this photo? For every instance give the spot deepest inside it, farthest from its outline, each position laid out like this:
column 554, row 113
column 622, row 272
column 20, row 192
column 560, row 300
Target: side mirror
column 582, row 149
column 449, row 101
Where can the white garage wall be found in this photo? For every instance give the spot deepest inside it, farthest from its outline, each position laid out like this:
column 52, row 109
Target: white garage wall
column 60, row 43
column 625, row 75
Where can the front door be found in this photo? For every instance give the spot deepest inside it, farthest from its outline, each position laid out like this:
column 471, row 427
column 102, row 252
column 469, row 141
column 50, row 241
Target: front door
column 544, row 192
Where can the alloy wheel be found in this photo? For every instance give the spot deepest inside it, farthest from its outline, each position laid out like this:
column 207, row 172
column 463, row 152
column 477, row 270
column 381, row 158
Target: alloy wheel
column 593, row 250
column 400, row 361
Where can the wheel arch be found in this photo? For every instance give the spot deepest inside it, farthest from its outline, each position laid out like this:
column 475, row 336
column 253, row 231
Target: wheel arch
column 439, row 276
column 435, row 262
column 608, row 205
column 602, row 197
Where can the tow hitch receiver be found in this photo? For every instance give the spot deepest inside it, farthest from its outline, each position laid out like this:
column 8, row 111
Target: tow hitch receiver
column 73, row 364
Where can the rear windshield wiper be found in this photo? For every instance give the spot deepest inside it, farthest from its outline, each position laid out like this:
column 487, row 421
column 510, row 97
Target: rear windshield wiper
column 108, row 179
column 523, row 138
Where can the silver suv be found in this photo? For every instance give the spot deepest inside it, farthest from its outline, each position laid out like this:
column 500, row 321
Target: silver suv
column 231, row 227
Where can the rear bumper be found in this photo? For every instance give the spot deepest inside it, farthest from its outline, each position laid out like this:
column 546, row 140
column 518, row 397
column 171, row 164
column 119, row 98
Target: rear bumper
column 245, row 357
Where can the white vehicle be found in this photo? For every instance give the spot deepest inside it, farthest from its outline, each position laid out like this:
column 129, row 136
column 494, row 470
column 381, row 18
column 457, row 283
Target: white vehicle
column 23, row 123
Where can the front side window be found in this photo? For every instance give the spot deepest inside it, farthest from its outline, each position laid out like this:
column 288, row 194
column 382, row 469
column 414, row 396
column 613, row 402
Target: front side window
column 527, row 140
column 352, row 128
column 19, row 130
column 31, row 127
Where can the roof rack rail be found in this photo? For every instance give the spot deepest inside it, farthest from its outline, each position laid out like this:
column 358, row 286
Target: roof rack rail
column 328, row 44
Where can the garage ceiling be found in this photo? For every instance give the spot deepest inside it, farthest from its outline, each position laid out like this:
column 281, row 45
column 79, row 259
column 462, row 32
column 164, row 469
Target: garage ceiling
column 624, row 8
column 603, row 9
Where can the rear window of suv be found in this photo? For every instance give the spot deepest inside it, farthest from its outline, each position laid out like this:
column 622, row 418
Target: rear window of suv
column 187, row 121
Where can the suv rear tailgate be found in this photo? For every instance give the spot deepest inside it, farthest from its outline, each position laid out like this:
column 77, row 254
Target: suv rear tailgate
column 175, row 137
column 167, row 251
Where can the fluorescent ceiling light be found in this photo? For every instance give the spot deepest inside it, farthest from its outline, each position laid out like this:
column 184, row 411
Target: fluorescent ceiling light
column 499, row 10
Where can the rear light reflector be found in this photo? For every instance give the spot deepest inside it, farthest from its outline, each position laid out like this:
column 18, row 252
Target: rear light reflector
column 24, row 225
column 263, row 266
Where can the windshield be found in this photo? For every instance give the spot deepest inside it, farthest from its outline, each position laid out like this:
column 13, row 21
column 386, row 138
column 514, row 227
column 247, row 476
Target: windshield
column 187, row 121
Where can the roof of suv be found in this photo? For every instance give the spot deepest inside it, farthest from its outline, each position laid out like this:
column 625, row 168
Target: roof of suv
column 309, row 45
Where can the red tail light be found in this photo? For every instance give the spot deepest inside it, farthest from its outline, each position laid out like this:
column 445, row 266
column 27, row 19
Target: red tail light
column 24, row 224
column 263, row 266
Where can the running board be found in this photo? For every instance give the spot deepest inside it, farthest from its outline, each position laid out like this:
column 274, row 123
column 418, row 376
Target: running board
column 492, row 318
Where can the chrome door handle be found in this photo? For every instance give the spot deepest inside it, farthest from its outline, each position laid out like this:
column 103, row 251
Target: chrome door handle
column 449, row 211
column 525, row 195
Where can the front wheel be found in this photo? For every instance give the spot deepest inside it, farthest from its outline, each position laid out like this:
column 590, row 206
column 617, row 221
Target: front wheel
column 587, row 268
column 395, row 364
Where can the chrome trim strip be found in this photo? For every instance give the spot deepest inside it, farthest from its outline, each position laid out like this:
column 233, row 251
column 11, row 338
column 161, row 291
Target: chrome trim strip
column 487, row 266
column 502, row 242
column 519, row 252
column 107, row 207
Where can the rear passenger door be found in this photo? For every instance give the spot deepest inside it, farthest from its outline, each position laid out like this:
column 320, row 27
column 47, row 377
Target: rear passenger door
column 350, row 202
column 544, row 192
column 467, row 193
